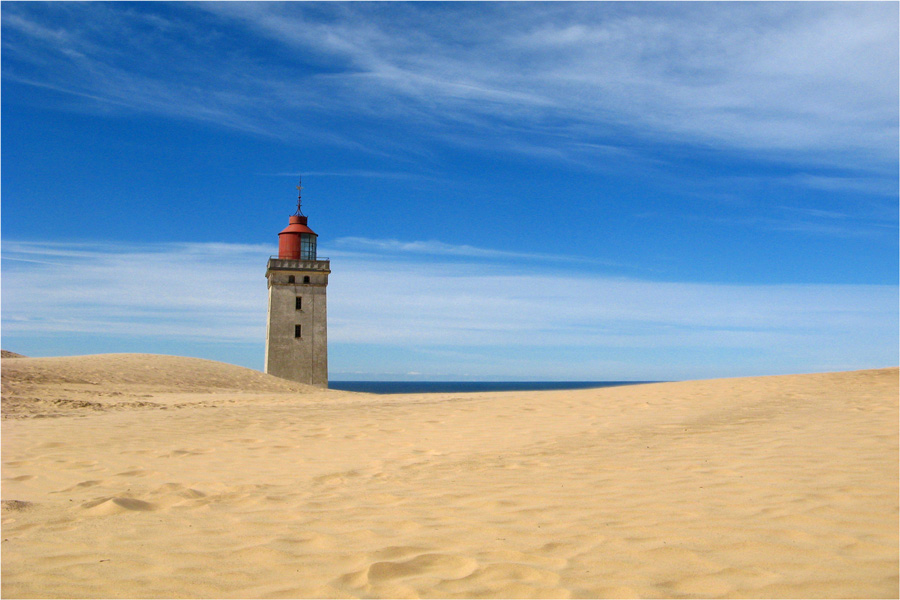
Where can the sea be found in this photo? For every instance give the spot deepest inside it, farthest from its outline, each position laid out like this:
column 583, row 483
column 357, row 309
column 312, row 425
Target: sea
column 433, row 387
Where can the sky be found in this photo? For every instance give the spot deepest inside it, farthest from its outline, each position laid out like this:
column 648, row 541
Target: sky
column 506, row 191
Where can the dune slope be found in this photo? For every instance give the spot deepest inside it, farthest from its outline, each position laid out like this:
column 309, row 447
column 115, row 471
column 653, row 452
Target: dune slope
column 57, row 385
column 759, row 487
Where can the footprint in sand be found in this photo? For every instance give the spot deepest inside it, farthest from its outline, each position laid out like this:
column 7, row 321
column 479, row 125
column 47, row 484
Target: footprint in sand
column 191, row 494
column 16, row 505
column 52, row 445
column 442, row 566
column 80, row 465
column 78, row 486
column 116, row 505
column 88, row 483
column 180, row 491
column 134, row 473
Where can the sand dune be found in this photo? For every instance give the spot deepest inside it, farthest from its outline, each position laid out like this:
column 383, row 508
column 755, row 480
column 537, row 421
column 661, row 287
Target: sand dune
column 42, row 387
column 759, row 487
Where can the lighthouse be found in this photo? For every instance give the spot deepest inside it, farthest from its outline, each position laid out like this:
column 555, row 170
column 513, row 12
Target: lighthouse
column 297, row 327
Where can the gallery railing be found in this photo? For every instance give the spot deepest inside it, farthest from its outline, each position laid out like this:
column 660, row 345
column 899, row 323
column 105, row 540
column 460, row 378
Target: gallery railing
column 290, row 264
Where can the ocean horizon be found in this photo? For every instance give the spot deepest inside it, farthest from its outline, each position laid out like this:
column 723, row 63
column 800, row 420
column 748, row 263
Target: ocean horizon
column 442, row 387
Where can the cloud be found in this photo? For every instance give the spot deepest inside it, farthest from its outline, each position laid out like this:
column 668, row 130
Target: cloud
column 186, row 291
column 487, row 318
column 352, row 246
column 812, row 81
column 861, row 184
column 759, row 76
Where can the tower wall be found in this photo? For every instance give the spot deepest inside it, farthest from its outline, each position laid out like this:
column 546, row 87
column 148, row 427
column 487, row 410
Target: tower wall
column 302, row 358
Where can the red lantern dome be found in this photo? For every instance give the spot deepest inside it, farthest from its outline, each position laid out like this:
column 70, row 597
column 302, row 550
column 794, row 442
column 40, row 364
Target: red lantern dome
column 297, row 241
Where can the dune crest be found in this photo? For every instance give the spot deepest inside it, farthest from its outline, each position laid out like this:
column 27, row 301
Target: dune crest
column 56, row 385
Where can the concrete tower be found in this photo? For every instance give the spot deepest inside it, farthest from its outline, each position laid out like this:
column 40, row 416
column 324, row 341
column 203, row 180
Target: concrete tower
column 297, row 328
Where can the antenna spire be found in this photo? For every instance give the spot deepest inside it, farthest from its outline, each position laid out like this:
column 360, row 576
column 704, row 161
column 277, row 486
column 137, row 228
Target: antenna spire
column 299, row 189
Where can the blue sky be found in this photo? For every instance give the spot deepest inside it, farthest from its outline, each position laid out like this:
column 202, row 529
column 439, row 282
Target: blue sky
column 592, row 191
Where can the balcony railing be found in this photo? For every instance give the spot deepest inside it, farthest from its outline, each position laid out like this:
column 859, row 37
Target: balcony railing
column 291, row 264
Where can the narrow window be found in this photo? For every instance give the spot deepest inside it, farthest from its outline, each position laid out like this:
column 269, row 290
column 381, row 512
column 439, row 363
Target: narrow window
column 306, row 279
column 299, row 305
column 297, row 331
column 290, row 279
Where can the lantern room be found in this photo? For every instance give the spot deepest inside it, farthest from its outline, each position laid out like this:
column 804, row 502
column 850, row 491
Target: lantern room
column 297, row 241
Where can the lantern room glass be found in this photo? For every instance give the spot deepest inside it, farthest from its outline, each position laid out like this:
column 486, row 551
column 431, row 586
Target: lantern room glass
column 307, row 246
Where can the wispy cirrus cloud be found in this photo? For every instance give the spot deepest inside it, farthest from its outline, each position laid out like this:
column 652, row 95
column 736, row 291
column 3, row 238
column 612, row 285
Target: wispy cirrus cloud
column 880, row 186
column 398, row 313
column 760, row 76
column 134, row 290
column 356, row 246
column 813, row 81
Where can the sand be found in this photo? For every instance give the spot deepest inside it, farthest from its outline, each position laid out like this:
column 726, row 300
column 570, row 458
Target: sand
column 149, row 476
